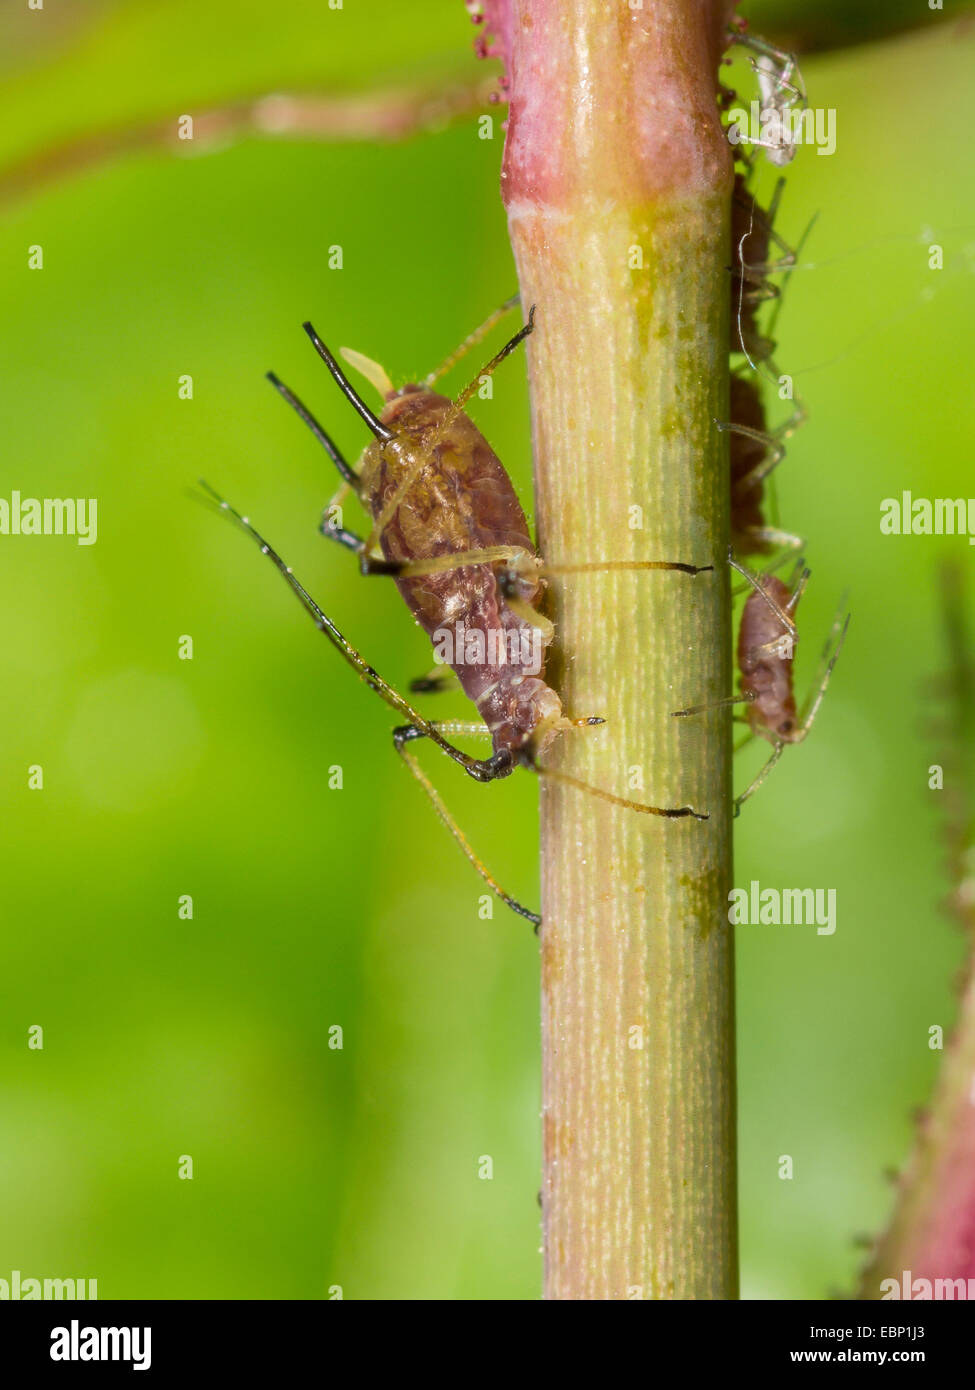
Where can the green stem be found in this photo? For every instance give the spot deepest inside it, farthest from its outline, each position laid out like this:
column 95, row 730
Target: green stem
column 617, row 183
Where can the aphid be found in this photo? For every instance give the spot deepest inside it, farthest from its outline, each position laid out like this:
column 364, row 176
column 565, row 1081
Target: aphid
column 781, row 92
column 754, row 451
column 452, row 534
column 767, row 639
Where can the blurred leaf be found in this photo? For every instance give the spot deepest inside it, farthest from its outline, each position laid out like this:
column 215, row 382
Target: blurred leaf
column 133, row 63
column 810, row 25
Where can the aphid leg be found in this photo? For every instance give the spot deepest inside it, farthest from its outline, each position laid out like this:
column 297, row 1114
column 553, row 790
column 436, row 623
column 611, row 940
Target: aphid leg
column 489, row 369
column 759, row 778
column 670, row 812
column 411, row 569
column 774, row 453
column 349, row 475
column 482, row 770
column 778, row 68
column 818, row 688
column 401, row 739
column 520, row 563
column 712, row 704
column 472, row 340
column 607, row 566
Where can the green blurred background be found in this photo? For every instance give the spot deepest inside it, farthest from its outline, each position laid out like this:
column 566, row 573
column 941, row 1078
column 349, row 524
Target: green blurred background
column 316, row 1167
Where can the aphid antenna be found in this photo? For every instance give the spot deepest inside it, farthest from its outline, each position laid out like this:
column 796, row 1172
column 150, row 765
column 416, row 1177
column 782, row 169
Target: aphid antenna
column 381, row 431
column 348, row 473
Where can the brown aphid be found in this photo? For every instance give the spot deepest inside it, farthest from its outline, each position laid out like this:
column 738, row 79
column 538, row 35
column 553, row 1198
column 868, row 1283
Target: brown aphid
column 451, row 532
column 748, row 451
column 463, row 502
column 754, row 452
column 766, row 642
column 767, row 639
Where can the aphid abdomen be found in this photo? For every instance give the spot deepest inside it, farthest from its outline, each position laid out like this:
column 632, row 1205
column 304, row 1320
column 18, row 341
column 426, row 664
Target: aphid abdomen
column 766, row 670
column 462, row 501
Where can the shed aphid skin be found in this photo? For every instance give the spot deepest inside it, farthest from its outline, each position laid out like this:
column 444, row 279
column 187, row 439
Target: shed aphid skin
column 447, row 526
column 767, row 639
column 781, row 92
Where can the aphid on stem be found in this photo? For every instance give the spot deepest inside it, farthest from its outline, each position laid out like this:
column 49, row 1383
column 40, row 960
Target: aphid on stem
column 767, row 639
column 755, row 450
column 447, row 526
column 758, row 251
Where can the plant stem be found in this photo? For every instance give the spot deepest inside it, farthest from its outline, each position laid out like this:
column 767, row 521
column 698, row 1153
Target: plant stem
column 617, row 183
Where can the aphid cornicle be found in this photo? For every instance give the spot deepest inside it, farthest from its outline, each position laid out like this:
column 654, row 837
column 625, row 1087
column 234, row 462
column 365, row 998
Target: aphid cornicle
column 454, row 537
